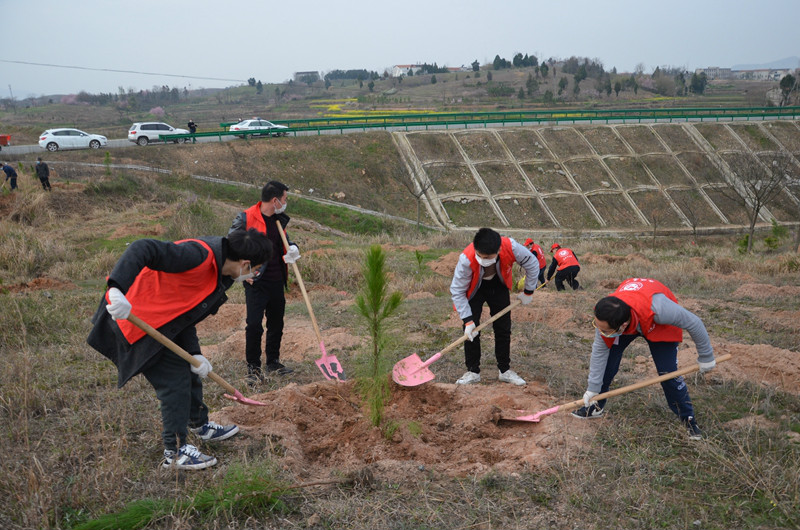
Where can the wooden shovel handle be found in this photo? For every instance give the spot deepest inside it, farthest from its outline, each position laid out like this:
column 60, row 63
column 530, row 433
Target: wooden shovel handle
column 497, row 315
column 641, row 384
column 300, row 283
column 186, row 356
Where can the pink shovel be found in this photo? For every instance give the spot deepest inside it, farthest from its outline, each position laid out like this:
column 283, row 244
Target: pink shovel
column 329, row 365
column 411, row 371
column 565, row 407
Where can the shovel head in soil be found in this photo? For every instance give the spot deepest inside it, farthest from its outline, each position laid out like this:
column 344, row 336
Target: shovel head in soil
column 329, row 365
column 411, row 371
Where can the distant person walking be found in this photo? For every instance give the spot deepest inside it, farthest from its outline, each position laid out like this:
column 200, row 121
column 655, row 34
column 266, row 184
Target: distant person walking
column 566, row 267
column 192, row 128
column 11, row 175
column 43, row 172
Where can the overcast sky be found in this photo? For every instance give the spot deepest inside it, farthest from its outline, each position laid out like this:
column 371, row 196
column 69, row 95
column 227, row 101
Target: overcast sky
column 219, row 43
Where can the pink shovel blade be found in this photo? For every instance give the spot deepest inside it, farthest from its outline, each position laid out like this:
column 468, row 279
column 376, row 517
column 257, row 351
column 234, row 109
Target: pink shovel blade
column 237, row 396
column 411, row 371
column 532, row 418
column 329, row 365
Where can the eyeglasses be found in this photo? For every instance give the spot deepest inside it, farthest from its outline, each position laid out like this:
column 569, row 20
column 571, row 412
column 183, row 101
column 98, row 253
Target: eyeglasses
column 609, row 334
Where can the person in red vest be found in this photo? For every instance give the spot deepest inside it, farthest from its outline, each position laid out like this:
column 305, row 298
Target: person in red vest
column 483, row 275
column 265, row 295
column 537, row 251
column 647, row 308
column 565, row 265
column 172, row 287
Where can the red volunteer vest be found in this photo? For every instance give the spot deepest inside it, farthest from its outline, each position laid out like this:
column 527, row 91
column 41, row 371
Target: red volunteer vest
column 159, row 297
column 505, row 258
column 638, row 294
column 565, row 258
column 540, row 255
column 256, row 220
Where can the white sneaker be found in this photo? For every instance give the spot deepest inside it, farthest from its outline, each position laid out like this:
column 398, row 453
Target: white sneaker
column 469, row 378
column 510, row 376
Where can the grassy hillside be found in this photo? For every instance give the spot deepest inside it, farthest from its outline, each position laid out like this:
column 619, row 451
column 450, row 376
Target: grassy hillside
column 76, row 450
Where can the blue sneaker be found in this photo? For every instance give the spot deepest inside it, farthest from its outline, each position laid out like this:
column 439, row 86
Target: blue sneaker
column 214, row 432
column 691, row 426
column 588, row 413
column 187, row 457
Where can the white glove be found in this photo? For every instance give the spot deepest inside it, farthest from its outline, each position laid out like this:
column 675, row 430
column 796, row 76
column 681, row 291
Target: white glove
column 119, row 308
column 469, row 331
column 292, row 254
column 588, row 398
column 204, row 367
column 707, row 367
column 525, row 298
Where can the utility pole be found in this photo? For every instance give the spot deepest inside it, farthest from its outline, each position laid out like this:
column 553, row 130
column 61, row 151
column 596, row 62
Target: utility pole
column 10, row 92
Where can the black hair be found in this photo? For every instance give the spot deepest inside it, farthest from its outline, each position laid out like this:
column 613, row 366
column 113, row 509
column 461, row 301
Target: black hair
column 487, row 241
column 612, row 310
column 273, row 189
column 250, row 245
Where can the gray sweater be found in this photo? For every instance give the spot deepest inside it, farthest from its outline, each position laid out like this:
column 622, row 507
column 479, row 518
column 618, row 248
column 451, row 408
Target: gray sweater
column 666, row 312
column 463, row 276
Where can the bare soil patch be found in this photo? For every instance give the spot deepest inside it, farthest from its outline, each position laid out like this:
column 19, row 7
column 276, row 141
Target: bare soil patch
column 320, row 428
column 41, row 284
column 760, row 291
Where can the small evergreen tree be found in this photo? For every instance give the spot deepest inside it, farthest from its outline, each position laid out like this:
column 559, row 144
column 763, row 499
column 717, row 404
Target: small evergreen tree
column 375, row 304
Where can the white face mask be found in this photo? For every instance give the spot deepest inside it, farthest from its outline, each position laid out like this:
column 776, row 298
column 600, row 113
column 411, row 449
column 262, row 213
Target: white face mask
column 485, row 262
column 283, row 207
column 245, row 277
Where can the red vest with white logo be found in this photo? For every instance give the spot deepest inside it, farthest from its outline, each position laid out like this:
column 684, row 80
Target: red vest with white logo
column 638, row 294
column 565, row 258
column 539, row 255
column 505, row 258
column 159, row 297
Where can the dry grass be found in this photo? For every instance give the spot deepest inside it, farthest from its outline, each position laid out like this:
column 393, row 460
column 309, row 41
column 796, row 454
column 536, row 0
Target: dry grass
column 75, row 448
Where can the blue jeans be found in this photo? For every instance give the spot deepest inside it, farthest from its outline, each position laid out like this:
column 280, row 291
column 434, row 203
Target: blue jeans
column 665, row 357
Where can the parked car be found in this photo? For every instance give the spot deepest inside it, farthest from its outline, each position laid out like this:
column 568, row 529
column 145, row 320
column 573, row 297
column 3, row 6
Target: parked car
column 151, row 131
column 55, row 139
column 257, row 124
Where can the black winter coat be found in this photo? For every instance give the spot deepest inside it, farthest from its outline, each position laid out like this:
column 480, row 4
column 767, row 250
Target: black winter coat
column 107, row 338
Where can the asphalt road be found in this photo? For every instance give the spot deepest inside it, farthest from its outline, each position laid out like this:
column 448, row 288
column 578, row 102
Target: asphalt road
column 15, row 150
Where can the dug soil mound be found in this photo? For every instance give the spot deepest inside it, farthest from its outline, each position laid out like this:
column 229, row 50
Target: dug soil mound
column 321, row 428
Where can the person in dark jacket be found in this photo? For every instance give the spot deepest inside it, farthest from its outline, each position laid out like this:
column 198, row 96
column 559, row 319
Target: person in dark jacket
column 172, row 287
column 43, row 172
column 566, row 267
column 11, row 175
column 192, row 129
column 265, row 295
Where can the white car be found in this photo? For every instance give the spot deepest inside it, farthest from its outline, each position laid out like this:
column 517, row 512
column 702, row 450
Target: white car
column 151, row 131
column 257, row 124
column 55, row 139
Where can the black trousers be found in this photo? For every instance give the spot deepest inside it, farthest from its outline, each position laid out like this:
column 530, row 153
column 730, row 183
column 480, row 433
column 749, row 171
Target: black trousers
column 264, row 298
column 179, row 390
column 569, row 274
column 496, row 295
column 45, row 183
